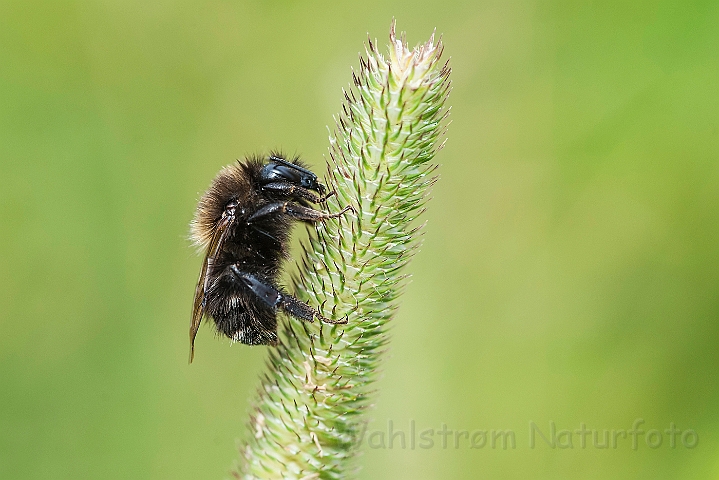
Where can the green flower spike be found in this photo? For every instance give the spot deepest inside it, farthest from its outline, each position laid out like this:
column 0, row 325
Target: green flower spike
column 309, row 418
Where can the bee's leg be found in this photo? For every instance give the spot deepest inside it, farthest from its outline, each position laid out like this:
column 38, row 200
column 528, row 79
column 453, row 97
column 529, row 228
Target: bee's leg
column 298, row 309
column 274, row 297
column 265, row 291
column 324, row 198
column 304, row 213
column 301, row 310
column 288, row 189
column 296, row 211
column 269, row 209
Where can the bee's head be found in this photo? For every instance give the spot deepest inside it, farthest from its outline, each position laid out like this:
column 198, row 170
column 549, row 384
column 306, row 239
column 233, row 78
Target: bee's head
column 280, row 170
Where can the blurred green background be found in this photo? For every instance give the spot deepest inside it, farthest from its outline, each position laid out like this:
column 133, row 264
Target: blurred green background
column 569, row 272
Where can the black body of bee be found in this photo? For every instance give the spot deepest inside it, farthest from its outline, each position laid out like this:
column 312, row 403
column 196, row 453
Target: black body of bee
column 243, row 221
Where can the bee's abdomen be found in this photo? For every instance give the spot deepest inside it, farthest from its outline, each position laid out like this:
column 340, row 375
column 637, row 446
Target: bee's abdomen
column 237, row 315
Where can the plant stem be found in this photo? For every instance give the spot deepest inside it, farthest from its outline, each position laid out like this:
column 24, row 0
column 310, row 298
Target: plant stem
column 308, row 419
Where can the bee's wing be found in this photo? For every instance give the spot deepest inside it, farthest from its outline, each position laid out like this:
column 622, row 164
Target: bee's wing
column 198, row 308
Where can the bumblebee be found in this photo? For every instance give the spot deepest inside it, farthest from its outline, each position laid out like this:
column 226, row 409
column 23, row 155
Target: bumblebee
column 243, row 222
